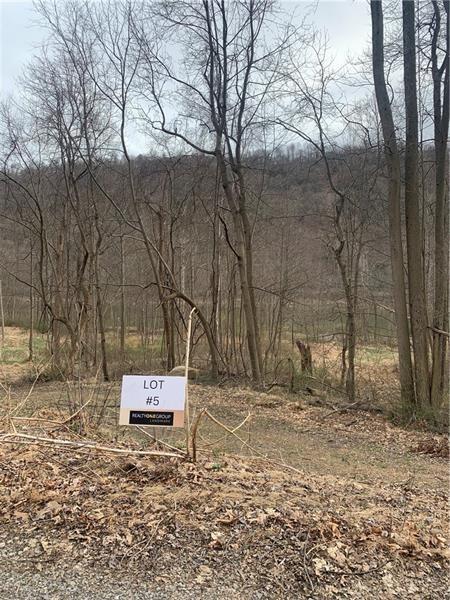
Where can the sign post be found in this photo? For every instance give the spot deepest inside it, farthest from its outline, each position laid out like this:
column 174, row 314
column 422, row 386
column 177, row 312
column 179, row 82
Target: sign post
column 186, row 374
column 158, row 400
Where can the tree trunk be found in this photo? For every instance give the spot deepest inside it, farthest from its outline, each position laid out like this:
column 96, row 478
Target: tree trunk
column 122, row 299
column 395, row 232
column 2, row 314
column 101, row 325
column 351, row 343
column 30, row 335
column 305, row 357
column 414, row 237
column 245, row 265
column 214, row 353
column 441, row 235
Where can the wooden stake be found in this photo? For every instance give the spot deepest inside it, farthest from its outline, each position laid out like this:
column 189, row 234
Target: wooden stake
column 2, row 315
column 186, row 374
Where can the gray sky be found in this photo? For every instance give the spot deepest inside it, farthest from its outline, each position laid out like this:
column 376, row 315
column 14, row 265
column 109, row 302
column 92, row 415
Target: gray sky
column 347, row 22
column 19, row 37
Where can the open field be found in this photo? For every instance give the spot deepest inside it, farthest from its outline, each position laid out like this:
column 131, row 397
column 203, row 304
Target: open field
column 375, row 365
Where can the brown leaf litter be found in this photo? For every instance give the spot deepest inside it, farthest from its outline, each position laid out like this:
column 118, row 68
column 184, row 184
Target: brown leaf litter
column 288, row 533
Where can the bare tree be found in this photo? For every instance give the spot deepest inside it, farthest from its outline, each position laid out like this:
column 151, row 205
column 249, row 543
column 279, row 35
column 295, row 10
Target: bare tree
column 392, row 156
column 414, row 237
column 103, row 39
column 224, row 81
column 441, row 90
column 351, row 179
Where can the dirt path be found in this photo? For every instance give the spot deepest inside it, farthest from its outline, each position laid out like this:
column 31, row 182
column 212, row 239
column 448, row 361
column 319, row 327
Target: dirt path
column 285, row 427
column 361, row 446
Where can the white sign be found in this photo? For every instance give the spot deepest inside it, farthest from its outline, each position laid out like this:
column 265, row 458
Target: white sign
column 152, row 400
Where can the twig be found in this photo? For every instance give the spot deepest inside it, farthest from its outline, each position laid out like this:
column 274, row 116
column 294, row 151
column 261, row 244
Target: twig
column 224, row 436
column 440, row 331
column 77, row 412
column 358, row 573
column 143, row 543
column 21, row 404
column 194, row 434
column 76, row 469
column 231, row 432
column 341, row 409
column 88, row 445
column 331, row 387
column 277, row 463
column 40, row 419
column 305, row 566
column 252, row 449
column 160, row 441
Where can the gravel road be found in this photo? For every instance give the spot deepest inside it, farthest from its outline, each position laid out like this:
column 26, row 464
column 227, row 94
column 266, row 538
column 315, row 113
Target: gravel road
column 71, row 584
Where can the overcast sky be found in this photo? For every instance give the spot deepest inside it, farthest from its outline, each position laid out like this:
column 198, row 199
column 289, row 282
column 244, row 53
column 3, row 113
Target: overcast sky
column 346, row 21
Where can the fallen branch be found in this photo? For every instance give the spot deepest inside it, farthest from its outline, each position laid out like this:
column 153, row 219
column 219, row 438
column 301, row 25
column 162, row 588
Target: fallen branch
column 231, row 432
column 343, row 408
column 38, row 419
column 30, row 391
column 361, row 572
column 261, row 455
column 11, row 438
column 440, row 331
column 76, row 413
column 305, row 565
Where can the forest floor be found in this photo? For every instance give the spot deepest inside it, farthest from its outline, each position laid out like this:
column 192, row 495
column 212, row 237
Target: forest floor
column 311, row 502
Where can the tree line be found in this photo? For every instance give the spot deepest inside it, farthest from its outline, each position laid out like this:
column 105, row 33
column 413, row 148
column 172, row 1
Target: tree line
column 265, row 188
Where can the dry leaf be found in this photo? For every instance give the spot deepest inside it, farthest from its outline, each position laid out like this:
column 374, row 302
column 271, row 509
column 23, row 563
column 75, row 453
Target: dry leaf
column 21, row 515
column 337, row 555
column 216, row 540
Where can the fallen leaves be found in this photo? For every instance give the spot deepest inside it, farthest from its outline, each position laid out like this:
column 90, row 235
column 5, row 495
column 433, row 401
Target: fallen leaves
column 217, row 540
column 51, row 509
column 299, row 528
column 337, row 555
column 435, row 446
column 204, row 574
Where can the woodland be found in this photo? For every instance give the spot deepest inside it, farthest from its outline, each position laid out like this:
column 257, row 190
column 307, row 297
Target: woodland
column 213, row 161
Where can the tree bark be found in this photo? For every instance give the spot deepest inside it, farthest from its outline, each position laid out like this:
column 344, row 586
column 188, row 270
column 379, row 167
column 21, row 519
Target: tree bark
column 306, row 356
column 441, row 235
column 30, row 291
column 395, row 232
column 101, row 325
column 414, row 237
column 243, row 253
column 122, row 299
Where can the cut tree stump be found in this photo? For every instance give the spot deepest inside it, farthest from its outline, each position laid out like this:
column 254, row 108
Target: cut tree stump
column 306, row 357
